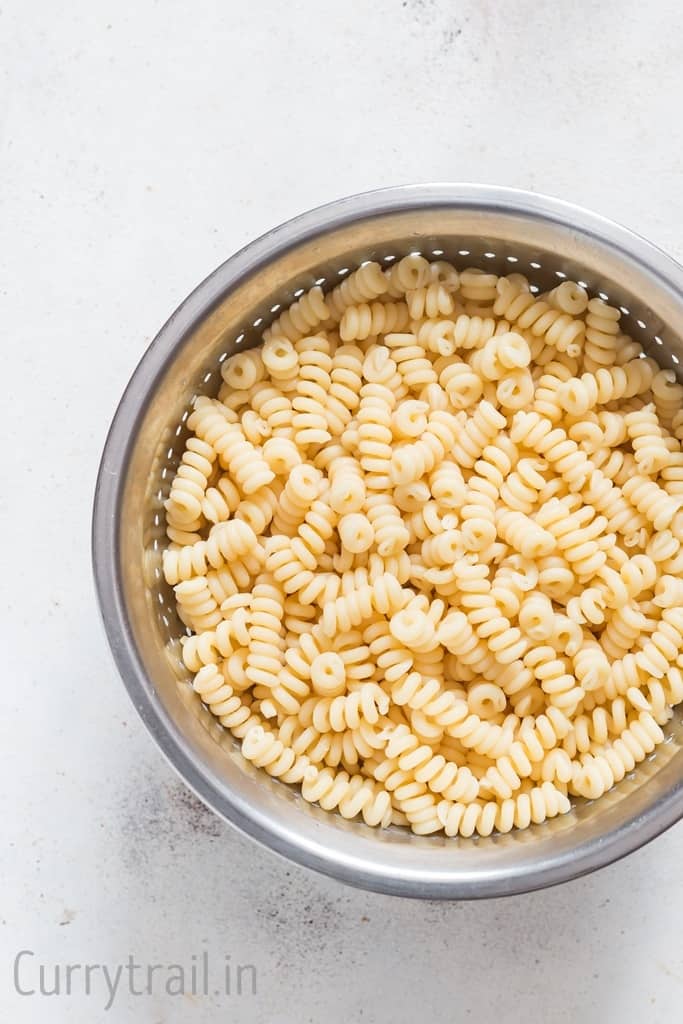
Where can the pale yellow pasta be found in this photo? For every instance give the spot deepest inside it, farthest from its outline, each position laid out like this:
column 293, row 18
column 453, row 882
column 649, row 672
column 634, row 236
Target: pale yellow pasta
column 607, row 384
column 501, row 353
column 280, row 359
column 569, row 297
column 461, row 382
column 282, row 455
column 476, row 433
column 523, row 534
column 428, row 548
column 667, row 392
column 537, row 617
column 413, row 364
column 651, row 452
column 184, row 503
column 522, row 487
column 300, row 491
column 242, row 371
column 363, row 285
column 486, row 699
column 515, row 390
column 212, row 423
column 347, row 485
column 328, row 676
column 413, row 271
column 477, row 285
column 465, row 332
column 313, row 386
column 413, row 496
column 432, row 300
column 369, row 320
column 300, row 318
column 274, row 406
column 356, row 532
column 602, row 329
column 409, row 419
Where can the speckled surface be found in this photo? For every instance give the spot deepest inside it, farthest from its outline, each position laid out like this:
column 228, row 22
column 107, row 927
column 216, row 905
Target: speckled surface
column 142, row 143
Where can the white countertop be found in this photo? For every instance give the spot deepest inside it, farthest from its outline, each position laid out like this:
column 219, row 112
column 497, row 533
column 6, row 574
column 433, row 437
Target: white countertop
column 142, row 143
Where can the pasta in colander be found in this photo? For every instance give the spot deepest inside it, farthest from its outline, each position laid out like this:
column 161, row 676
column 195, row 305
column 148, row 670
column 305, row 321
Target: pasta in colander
column 427, row 547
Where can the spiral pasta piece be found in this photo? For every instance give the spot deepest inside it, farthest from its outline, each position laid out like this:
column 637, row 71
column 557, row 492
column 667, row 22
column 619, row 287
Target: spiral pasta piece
column 415, row 368
column 536, row 805
column 521, row 489
column 431, row 300
column 478, row 286
column 462, row 384
column 544, row 319
column 281, row 360
column 346, row 711
column 458, row 636
column 668, row 395
column 412, row 461
column 548, row 384
column 209, row 646
column 524, row 534
column 265, row 658
column 595, row 773
column 301, row 318
column 622, row 630
column 248, row 468
column 479, row 431
column 375, row 437
column 226, row 542
column 652, row 501
column 369, row 320
column 504, row 640
column 350, row 795
column 309, row 419
column 273, row 406
column 580, row 394
column 468, row 332
column 389, row 533
column 664, row 645
column 575, row 535
column 602, row 330
column 516, row 390
column 501, row 354
column 233, row 710
column 221, row 501
column 364, row 285
column 302, row 488
column 407, row 758
column 266, row 751
column 294, row 561
column 538, row 434
column 244, row 369
column 413, row 271
column 479, row 510
column 569, row 297
column 651, row 452
column 184, row 503
column 350, row 610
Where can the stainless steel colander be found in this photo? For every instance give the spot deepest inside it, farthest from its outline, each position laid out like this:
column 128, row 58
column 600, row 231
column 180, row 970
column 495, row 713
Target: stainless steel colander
column 498, row 229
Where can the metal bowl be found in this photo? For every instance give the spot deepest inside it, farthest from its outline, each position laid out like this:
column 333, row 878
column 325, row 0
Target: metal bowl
column 501, row 230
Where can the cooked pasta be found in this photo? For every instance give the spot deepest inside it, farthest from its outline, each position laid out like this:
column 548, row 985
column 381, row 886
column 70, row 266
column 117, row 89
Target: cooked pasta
column 427, row 546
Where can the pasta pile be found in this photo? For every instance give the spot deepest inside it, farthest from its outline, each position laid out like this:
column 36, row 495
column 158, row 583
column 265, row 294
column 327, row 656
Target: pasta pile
column 427, row 545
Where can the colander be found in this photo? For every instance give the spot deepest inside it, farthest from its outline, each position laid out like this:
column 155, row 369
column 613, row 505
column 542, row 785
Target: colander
column 497, row 229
